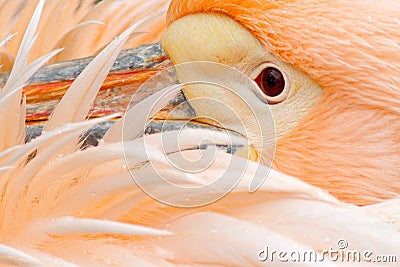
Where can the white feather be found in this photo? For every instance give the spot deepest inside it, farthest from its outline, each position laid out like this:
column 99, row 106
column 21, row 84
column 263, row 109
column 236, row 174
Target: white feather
column 16, row 257
column 70, row 225
column 136, row 117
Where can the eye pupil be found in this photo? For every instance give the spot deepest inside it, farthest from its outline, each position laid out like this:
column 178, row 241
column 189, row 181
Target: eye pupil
column 271, row 82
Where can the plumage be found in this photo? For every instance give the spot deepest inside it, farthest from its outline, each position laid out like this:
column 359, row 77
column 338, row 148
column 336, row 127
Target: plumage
column 72, row 207
column 80, row 27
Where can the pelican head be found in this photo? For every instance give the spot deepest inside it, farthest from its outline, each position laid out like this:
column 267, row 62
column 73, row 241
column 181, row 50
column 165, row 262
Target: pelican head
column 326, row 76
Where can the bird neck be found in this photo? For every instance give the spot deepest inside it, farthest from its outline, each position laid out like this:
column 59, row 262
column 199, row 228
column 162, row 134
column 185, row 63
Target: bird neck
column 348, row 147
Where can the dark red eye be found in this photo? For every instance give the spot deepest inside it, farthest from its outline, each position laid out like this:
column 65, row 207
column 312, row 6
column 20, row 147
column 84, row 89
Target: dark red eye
column 271, row 82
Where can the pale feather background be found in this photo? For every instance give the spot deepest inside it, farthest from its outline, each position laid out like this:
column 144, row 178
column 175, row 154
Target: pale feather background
column 67, row 207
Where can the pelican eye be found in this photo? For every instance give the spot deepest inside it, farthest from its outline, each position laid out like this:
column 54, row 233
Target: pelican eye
column 272, row 83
